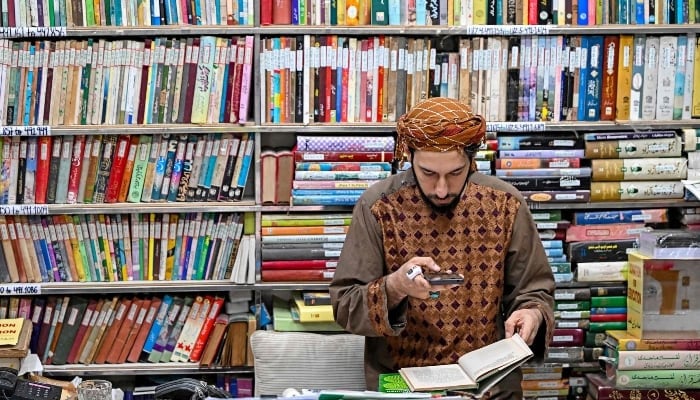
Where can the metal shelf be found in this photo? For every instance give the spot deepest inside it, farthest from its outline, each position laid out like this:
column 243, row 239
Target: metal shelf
column 477, row 30
column 614, row 205
column 140, row 369
column 150, row 129
column 138, row 208
column 61, row 288
column 292, row 285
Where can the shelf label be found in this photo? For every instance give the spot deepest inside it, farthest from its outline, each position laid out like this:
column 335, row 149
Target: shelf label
column 515, row 126
column 505, row 30
column 24, row 209
column 20, row 289
column 26, row 130
column 32, row 31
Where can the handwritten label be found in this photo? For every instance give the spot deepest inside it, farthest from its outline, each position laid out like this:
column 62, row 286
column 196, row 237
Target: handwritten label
column 26, row 131
column 24, row 209
column 17, row 289
column 32, row 31
column 505, row 30
column 515, row 126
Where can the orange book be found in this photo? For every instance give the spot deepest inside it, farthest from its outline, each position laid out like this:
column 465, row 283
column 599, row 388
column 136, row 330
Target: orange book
column 205, row 332
column 110, row 334
column 214, row 342
column 135, row 329
column 120, row 339
column 142, row 335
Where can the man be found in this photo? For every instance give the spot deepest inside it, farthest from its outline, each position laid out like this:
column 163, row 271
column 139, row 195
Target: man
column 441, row 215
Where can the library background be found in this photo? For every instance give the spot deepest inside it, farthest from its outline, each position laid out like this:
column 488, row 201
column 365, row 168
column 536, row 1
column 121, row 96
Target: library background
column 178, row 176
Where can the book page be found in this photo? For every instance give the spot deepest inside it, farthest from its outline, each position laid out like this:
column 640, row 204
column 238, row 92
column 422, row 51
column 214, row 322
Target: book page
column 436, row 377
column 485, row 361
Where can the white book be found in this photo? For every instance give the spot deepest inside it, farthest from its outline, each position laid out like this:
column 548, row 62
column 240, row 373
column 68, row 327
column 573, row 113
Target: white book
column 651, row 73
column 64, row 169
column 689, row 77
column 668, row 55
column 352, row 79
column 637, row 78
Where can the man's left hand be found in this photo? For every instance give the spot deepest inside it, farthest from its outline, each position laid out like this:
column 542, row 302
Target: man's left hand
column 526, row 322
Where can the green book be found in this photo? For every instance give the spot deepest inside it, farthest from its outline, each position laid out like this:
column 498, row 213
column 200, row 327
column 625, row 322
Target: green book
column 609, row 301
column 392, row 383
column 138, row 175
column 606, row 326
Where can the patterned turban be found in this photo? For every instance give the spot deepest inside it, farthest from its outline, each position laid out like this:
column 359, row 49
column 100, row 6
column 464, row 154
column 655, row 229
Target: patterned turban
column 438, row 124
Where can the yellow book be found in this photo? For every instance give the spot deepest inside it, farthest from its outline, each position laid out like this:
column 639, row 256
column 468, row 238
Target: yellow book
column 624, row 77
column 11, row 329
column 151, row 246
column 104, row 247
column 480, row 12
column 317, row 313
column 696, row 82
column 172, row 234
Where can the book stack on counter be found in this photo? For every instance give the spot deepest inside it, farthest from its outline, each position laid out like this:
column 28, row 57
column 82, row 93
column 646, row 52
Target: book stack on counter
column 552, row 231
column 636, row 165
column 302, row 247
column 337, row 169
column 598, row 241
column 544, row 168
column 306, row 311
column 544, row 381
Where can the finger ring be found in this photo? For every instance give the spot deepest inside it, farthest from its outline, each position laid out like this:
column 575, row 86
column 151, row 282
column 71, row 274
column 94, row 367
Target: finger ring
column 434, row 295
column 413, row 272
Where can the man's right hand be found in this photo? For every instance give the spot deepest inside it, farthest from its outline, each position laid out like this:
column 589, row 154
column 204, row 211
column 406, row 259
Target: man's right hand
column 400, row 285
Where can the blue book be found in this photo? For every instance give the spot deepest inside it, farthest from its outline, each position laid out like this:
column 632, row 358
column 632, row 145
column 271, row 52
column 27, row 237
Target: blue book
column 553, row 244
column 326, row 192
column 679, row 84
column 593, row 78
column 582, row 15
column 608, row 310
column 158, row 321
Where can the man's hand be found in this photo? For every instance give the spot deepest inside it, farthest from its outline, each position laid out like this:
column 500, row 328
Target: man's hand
column 526, row 322
column 400, row 285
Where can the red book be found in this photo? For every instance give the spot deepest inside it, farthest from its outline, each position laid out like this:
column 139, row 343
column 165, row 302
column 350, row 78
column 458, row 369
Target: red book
column 120, row 339
column 145, row 67
column 110, row 335
column 281, row 12
column 266, row 12
column 608, row 317
column 43, row 163
column 116, row 174
column 237, row 79
column 203, row 336
column 380, row 156
column 608, row 84
column 297, row 275
column 75, row 169
column 142, row 312
column 191, row 81
column 299, row 264
column 380, row 84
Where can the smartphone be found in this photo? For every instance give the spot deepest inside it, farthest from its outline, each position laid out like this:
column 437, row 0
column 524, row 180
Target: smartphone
column 444, row 278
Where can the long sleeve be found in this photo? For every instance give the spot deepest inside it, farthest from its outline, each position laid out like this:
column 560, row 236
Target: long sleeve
column 529, row 282
column 358, row 290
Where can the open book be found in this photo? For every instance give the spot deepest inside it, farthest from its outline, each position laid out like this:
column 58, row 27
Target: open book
column 477, row 370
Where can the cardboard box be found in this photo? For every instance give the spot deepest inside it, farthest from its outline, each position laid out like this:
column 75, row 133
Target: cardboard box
column 663, row 298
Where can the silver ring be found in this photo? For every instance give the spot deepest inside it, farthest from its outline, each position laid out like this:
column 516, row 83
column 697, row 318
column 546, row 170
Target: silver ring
column 413, row 272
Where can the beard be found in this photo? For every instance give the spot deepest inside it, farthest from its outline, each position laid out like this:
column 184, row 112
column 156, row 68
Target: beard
column 432, row 199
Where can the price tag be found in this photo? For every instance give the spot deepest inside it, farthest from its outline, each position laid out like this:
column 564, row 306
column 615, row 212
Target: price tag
column 26, row 130
column 20, row 289
column 515, row 126
column 32, row 31
column 24, row 209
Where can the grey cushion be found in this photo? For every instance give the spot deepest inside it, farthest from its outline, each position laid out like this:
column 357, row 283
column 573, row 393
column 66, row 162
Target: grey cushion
column 303, row 360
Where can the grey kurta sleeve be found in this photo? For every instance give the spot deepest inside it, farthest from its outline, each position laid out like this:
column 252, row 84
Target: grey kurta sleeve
column 529, row 282
column 358, row 289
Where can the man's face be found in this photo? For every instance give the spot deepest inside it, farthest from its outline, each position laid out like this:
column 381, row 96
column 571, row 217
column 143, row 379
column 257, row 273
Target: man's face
column 441, row 176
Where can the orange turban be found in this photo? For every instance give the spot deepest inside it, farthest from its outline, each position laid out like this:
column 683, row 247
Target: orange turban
column 439, row 124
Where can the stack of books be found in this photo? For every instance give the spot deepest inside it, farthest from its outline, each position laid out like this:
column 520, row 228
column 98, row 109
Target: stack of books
column 544, row 168
column 343, row 168
column 302, row 247
column 636, row 165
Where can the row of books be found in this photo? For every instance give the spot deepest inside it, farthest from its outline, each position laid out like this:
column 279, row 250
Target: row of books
column 475, row 12
column 91, row 82
column 124, row 168
column 125, row 13
column 108, row 248
column 329, row 78
column 76, row 329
